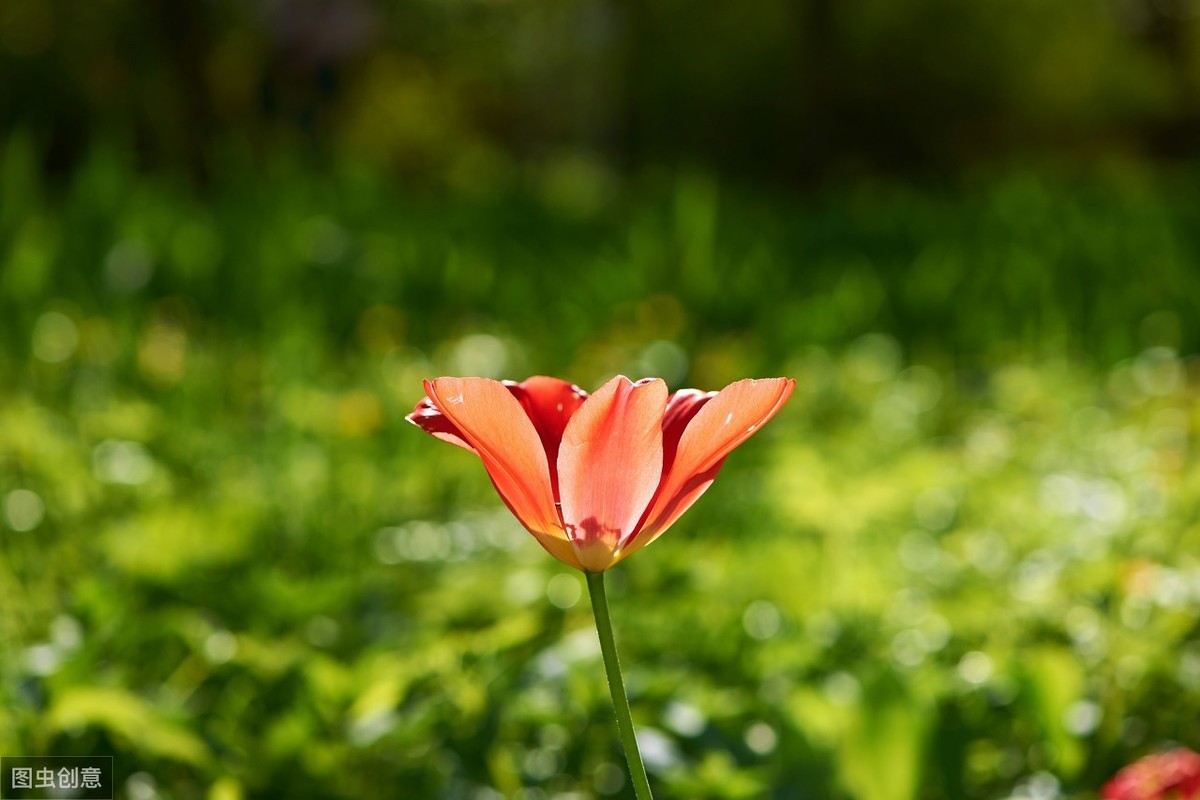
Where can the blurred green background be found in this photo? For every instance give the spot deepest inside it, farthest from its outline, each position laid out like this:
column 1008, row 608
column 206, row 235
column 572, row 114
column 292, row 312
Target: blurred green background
column 236, row 234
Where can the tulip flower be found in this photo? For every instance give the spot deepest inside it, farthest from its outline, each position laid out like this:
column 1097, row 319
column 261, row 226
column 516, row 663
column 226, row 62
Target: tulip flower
column 595, row 479
column 1173, row 775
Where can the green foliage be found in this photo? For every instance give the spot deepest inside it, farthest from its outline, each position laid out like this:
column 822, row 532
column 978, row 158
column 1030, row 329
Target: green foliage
column 960, row 564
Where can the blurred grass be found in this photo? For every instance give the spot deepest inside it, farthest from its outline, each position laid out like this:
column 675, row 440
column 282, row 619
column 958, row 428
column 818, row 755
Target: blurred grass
column 960, row 564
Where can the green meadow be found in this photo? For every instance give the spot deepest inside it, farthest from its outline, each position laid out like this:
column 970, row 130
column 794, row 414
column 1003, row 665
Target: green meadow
column 961, row 563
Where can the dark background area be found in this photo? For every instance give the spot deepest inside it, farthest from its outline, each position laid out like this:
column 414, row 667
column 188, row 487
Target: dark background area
column 790, row 93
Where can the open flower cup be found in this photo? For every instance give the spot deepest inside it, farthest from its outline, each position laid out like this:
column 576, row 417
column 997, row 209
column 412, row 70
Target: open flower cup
column 597, row 478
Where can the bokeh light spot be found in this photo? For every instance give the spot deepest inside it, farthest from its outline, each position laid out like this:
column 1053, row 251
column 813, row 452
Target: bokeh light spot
column 761, row 620
column 121, row 462
column 23, row 510
column 55, row 337
column 975, row 667
column 761, row 738
column 563, row 590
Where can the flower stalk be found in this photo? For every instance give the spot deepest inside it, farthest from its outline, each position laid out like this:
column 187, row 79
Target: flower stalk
column 616, row 686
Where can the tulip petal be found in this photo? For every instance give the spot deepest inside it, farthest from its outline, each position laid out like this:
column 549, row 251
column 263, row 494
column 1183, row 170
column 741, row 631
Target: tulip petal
column 550, row 403
column 723, row 423
column 494, row 423
column 609, row 464
column 560, row 548
column 682, row 406
column 428, row 418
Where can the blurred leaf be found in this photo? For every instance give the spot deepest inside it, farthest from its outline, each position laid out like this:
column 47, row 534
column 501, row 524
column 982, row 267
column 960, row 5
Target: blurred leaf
column 882, row 755
column 123, row 714
column 1056, row 681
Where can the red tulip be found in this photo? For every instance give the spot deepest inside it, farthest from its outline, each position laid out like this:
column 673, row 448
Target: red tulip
column 597, row 478
column 1173, row 775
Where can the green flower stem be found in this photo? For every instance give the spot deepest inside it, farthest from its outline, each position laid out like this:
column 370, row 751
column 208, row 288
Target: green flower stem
column 616, row 686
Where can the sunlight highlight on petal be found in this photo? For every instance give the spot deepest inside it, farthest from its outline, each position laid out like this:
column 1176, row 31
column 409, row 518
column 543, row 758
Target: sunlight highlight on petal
column 609, row 465
column 725, row 421
column 495, row 424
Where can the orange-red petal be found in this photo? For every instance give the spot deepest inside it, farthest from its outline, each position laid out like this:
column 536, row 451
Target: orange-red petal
column 550, row 403
column 609, row 465
column 428, row 418
column 494, row 423
column 723, row 423
column 682, row 406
